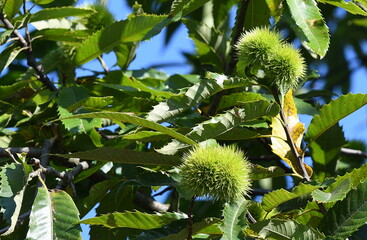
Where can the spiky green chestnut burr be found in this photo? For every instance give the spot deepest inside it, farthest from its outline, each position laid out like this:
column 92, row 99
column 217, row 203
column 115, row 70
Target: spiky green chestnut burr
column 220, row 172
column 275, row 63
column 254, row 48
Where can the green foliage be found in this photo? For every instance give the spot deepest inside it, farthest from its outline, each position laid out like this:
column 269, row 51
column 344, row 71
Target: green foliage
column 234, row 218
column 346, row 216
column 53, row 216
column 135, row 219
column 79, row 138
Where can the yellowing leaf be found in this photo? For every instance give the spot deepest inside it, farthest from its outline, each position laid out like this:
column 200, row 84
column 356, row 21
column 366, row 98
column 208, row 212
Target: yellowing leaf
column 279, row 144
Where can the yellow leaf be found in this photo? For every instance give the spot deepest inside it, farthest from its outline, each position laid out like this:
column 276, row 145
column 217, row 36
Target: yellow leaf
column 279, row 144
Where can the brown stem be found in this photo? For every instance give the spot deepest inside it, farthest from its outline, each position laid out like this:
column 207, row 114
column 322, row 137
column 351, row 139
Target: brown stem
column 31, row 61
column 289, row 138
column 189, row 220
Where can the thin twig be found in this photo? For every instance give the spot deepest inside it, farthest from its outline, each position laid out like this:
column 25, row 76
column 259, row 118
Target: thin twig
column 189, row 220
column 103, row 64
column 240, row 24
column 31, row 61
column 353, row 152
column 250, row 218
column 20, row 220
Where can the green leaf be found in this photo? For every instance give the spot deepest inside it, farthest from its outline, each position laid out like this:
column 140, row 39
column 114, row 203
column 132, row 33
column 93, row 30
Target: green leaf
column 4, row 36
column 177, row 7
column 239, row 133
column 131, row 30
column 257, row 14
column 350, row 6
column 60, row 12
column 210, row 44
column 8, row 55
column 277, row 197
column 117, row 155
column 235, row 99
column 223, row 123
column 69, row 96
column 92, row 103
column 194, row 95
column 193, row 5
column 284, row 230
column 65, row 216
column 11, row 8
column 135, row 219
column 346, row 216
column 62, row 35
column 12, row 185
column 221, row 10
column 96, row 193
column 41, row 218
column 325, row 153
column 333, row 112
column 309, row 25
column 234, row 219
column 336, row 194
column 146, row 136
column 125, row 117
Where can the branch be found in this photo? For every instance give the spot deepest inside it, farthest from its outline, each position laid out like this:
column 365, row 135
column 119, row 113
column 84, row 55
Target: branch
column 32, row 152
column 353, row 152
column 189, row 220
column 31, row 61
column 19, row 222
column 149, row 203
column 239, row 28
column 47, row 144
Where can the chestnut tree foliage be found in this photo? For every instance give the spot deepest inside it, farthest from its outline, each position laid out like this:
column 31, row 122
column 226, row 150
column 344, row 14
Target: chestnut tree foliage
column 105, row 140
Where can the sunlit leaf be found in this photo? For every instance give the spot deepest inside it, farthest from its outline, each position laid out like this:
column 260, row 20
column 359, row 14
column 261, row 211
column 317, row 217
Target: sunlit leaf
column 346, row 216
column 117, row 155
column 60, row 12
column 309, row 26
column 11, row 7
column 194, row 95
column 333, row 112
column 135, row 219
column 283, row 229
column 126, row 117
column 234, row 219
column 336, row 194
column 350, row 6
column 277, row 197
column 130, row 30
